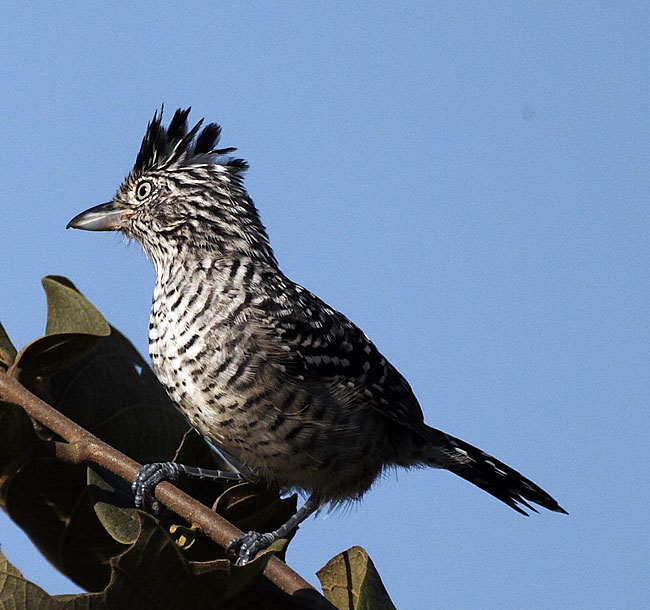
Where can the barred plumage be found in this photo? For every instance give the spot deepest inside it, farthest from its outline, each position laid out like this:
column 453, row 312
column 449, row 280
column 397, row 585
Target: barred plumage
column 292, row 392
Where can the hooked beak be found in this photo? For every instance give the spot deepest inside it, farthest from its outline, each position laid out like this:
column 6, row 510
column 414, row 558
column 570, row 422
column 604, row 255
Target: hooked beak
column 103, row 217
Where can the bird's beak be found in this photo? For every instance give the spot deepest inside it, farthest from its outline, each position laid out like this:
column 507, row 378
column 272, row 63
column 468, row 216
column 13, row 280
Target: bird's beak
column 103, row 217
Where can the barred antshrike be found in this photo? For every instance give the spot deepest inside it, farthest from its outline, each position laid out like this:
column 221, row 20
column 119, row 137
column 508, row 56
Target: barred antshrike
column 292, row 393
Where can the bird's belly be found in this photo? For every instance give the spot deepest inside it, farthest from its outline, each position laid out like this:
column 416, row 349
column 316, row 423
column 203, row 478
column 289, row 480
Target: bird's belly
column 288, row 437
column 291, row 434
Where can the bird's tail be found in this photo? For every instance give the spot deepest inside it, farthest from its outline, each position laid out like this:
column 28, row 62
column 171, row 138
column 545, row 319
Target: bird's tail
column 486, row 472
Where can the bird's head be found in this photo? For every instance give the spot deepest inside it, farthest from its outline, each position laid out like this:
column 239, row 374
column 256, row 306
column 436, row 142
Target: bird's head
column 183, row 195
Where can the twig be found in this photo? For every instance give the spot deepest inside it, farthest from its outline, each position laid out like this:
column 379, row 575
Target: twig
column 85, row 447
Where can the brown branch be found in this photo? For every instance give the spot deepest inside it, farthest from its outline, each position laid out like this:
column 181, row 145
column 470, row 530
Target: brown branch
column 85, row 447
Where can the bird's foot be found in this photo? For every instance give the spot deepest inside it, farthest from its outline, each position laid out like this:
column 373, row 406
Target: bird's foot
column 146, row 480
column 249, row 544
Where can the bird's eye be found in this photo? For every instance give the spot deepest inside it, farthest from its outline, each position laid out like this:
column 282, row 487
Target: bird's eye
column 143, row 190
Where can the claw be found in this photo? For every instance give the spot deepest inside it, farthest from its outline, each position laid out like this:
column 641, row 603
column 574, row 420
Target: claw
column 249, row 544
column 146, row 480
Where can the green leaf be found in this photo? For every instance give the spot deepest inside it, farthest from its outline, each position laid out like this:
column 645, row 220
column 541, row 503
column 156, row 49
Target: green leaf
column 351, row 582
column 6, row 568
column 7, row 350
column 18, row 593
column 119, row 518
column 68, row 311
column 74, row 327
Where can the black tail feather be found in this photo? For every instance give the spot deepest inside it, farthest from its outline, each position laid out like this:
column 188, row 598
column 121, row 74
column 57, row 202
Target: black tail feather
column 488, row 473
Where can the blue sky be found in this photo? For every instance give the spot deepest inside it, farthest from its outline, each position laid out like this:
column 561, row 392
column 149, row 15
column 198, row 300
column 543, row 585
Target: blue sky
column 468, row 182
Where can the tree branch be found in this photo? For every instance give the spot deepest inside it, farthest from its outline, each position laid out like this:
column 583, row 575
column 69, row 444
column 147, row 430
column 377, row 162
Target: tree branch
column 85, row 447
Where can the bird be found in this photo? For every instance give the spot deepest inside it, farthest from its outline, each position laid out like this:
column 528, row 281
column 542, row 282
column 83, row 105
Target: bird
column 290, row 391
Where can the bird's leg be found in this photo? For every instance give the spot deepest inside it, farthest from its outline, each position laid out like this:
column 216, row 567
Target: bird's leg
column 248, row 545
column 151, row 474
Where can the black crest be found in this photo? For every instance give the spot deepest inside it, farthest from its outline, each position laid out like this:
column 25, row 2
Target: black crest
column 164, row 146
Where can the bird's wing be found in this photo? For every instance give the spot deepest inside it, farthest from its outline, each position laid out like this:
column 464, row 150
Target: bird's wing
column 312, row 343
